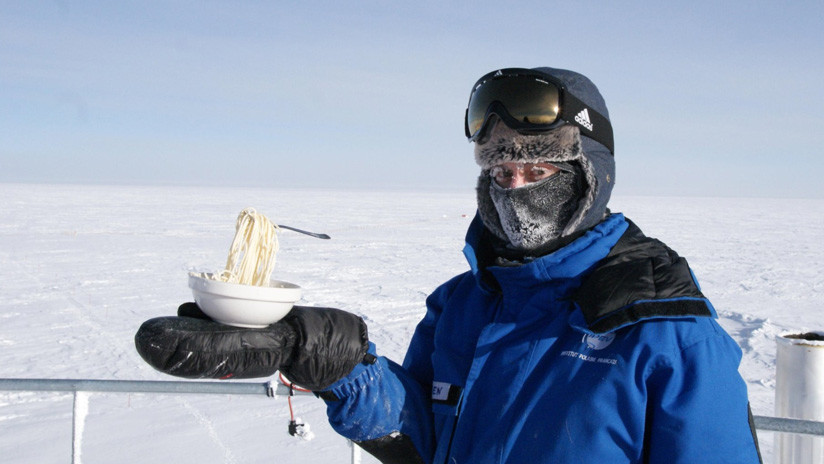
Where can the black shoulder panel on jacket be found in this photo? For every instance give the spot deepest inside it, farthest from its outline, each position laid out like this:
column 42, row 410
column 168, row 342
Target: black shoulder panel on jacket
column 395, row 448
column 640, row 278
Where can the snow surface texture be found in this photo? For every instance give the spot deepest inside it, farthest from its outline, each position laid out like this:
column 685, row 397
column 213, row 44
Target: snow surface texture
column 84, row 266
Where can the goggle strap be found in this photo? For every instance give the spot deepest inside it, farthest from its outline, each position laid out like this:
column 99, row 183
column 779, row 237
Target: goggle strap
column 591, row 123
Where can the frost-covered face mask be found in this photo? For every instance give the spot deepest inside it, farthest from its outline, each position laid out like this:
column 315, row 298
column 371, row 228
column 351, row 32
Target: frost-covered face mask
column 535, row 214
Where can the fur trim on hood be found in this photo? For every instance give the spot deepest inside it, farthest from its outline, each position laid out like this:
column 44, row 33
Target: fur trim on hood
column 505, row 145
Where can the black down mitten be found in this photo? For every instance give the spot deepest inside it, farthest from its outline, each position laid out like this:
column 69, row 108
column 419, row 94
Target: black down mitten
column 314, row 347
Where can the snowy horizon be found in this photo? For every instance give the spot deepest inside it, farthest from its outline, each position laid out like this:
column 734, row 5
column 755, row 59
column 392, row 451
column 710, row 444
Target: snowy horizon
column 427, row 189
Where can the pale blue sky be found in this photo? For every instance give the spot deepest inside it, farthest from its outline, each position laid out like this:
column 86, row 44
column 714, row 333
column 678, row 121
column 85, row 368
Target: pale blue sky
column 707, row 98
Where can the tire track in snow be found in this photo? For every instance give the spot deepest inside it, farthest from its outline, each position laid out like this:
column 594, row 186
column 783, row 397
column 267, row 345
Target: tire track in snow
column 228, row 456
column 756, row 338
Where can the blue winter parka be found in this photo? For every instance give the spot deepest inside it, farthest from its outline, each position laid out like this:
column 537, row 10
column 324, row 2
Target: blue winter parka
column 522, row 364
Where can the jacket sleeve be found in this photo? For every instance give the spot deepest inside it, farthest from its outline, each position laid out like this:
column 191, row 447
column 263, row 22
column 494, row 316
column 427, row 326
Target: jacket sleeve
column 386, row 408
column 698, row 409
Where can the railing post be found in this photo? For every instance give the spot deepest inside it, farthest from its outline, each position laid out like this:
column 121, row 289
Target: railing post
column 356, row 452
column 799, row 394
column 80, row 409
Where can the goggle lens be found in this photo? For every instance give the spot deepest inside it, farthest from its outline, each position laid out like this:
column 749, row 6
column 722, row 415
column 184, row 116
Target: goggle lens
column 527, row 99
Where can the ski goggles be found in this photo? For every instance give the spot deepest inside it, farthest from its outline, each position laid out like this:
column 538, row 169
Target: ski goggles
column 531, row 102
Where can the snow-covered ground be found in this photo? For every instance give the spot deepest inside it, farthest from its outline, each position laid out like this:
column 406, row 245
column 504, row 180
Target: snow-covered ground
column 84, row 266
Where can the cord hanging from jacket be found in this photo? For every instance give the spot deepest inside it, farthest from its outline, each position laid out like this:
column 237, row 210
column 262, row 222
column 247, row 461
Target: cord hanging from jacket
column 296, row 427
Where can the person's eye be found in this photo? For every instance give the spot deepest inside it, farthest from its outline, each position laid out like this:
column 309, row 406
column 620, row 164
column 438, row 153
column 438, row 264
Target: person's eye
column 502, row 173
column 540, row 173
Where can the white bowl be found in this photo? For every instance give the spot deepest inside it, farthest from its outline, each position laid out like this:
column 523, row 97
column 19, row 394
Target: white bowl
column 243, row 305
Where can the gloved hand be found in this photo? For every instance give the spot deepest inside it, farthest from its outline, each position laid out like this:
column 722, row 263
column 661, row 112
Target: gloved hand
column 314, row 347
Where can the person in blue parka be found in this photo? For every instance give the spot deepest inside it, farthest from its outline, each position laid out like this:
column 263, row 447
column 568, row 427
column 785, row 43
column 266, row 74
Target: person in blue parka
column 572, row 337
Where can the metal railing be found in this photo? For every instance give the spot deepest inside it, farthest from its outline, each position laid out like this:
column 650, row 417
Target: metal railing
column 81, row 386
column 766, row 423
column 145, row 386
column 785, row 425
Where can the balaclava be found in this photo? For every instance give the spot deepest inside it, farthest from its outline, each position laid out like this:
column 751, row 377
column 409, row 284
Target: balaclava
column 539, row 217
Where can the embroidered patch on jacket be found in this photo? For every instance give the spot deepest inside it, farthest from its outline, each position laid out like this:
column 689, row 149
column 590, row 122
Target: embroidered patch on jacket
column 598, row 341
column 593, row 342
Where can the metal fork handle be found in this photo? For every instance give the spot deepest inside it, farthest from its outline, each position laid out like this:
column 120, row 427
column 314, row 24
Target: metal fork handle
column 306, row 232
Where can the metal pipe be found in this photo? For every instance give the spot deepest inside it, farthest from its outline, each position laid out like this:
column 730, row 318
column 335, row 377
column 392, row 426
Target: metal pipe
column 149, row 386
column 356, row 452
column 79, row 411
column 781, row 424
column 799, row 394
